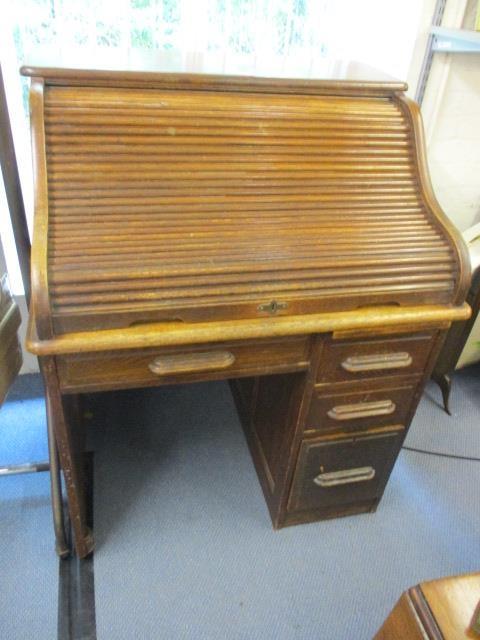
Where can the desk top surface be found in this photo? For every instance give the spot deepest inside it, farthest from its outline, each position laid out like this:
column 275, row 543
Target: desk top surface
column 141, row 62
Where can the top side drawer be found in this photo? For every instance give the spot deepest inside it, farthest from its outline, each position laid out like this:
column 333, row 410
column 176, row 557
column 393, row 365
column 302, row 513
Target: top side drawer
column 346, row 360
column 146, row 367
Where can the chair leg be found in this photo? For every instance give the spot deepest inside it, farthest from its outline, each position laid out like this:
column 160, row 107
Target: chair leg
column 61, row 546
column 445, row 383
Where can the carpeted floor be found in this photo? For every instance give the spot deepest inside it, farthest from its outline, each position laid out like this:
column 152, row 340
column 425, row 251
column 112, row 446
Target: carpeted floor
column 185, row 548
column 28, row 564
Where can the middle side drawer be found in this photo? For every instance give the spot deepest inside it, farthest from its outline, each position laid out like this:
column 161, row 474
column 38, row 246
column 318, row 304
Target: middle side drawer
column 385, row 404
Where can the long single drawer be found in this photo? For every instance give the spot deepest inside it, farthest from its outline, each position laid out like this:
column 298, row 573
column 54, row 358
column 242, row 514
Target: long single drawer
column 347, row 360
column 384, row 405
column 331, row 472
column 147, row 367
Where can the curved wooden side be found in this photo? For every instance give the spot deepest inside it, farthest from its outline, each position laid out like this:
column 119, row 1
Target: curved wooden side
column 40, row 303
column 432, row 205
column 178, row 333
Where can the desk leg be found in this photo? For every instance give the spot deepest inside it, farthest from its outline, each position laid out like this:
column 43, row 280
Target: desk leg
column 61, row 544
column 445, row 383
column 70, row 454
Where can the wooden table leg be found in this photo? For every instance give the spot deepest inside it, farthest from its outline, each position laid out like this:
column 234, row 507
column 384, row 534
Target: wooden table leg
column 70, row 454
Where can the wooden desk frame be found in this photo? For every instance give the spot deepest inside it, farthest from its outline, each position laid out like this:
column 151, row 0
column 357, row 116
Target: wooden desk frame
column 61, row 414
column 296, row 417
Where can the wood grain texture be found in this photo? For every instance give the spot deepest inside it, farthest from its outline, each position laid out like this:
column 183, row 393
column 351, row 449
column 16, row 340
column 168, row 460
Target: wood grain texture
column 127, row 369
column 454, row 603
column 179, row 333
column 70, row 449
column 444, row 609
column 428, row 195
column 382, row 403
column 403, row 623
column 288, row 510
column 199, row 198
column 40, row 295
column 195, row 227
column 376, row 450
column 209, row 82
column 375, row 358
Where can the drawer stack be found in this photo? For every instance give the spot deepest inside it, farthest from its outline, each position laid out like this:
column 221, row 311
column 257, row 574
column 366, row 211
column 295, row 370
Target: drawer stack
column 362, row 399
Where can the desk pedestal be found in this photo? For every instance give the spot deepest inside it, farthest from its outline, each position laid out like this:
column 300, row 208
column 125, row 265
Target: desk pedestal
column 324, row 415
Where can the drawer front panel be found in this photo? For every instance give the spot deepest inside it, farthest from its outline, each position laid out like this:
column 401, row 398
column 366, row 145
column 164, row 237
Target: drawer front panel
column 350, row 360
column 359, row 410
column 162, row 366
column 339, row 472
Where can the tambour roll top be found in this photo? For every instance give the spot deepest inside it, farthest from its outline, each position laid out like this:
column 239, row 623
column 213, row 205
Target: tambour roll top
column 172, row 197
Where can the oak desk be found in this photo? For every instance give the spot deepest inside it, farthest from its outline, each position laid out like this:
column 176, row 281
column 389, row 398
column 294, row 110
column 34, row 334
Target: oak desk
column 280, row 234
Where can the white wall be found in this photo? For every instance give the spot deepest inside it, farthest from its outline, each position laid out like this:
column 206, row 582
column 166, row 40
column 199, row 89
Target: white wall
column 452, row 119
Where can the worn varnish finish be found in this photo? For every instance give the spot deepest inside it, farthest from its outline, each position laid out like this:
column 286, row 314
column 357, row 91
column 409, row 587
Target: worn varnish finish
column 445, row 609
column 309, row 438
column 114, row 370
column 311, row 201
column 281, row 234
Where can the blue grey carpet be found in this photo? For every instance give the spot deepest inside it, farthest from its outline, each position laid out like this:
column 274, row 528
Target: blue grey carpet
column 185, row 548
column 28, row 564
column 458, row 434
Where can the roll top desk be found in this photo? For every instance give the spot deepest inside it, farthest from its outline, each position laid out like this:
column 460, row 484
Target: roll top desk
column 280, row 234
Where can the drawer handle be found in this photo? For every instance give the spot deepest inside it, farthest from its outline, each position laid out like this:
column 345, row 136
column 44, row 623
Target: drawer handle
column 362, row 410
column 374, row 362
column 345, row 476
column 191, row 362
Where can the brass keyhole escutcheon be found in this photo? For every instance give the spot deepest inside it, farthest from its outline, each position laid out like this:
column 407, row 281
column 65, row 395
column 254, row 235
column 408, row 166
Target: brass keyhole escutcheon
column 272, row 307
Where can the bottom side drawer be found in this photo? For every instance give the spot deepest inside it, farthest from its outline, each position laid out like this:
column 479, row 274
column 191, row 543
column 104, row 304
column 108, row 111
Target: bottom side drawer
column 332, row 472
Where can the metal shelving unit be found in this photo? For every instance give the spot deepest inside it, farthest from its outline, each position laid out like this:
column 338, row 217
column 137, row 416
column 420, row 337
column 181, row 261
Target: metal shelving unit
column 444, row 40
column 455, row 40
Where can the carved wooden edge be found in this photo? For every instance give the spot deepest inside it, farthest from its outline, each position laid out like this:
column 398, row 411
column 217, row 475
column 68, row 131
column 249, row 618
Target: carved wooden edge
column 208, row 82
column 40, row 303
column 178, row 333
column 424, row 613
column 457, row 243
column 387, row 331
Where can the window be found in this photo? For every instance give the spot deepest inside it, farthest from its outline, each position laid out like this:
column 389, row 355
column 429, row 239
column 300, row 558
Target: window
column 294, row 38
